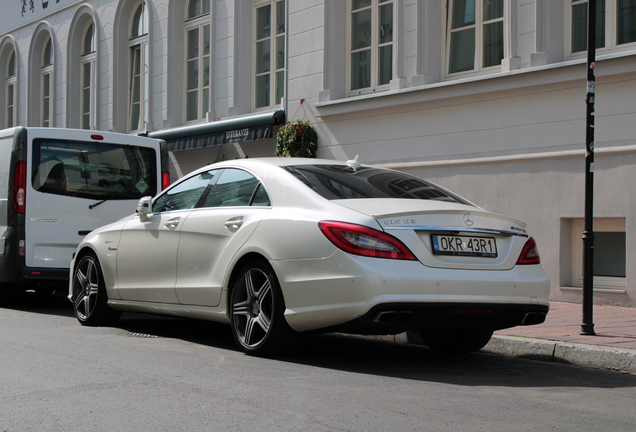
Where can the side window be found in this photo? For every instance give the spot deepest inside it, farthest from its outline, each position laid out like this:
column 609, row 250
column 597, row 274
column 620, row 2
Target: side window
column 184, row 195
column 234, row 188
column 261, row 199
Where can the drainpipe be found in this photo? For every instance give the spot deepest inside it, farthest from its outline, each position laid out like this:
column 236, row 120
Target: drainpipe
column 286, row 96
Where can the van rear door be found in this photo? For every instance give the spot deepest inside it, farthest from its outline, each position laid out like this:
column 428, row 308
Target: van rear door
column 78, row 181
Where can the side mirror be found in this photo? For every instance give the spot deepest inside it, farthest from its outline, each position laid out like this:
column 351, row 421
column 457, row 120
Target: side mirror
column 144, row 208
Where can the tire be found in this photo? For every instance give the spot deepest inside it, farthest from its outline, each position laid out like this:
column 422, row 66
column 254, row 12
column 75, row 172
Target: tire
column 90, row 301
column 256, row 313
column 456, row 340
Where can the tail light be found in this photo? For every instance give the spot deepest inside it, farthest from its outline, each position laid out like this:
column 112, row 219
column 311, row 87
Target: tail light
column 365, row 241
column 165, row 180
column 19, row 187
column 529, row 253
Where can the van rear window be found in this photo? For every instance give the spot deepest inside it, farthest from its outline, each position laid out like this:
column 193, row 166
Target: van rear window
column 93, row 170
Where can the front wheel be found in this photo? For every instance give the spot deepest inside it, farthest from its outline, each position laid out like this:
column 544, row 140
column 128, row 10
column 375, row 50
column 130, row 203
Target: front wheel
column 90, row 301
column 256, row 312
column 456, row 340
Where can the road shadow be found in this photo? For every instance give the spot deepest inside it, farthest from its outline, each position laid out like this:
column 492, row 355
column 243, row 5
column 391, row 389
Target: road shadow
column 357, row 354
column 54, row 303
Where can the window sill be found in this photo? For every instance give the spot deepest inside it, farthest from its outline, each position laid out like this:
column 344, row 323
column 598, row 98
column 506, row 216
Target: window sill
column 596, row 290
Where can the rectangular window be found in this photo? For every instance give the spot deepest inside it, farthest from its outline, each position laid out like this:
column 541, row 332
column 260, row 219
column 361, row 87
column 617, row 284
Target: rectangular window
column 371, row 44
column 626, row 21
column 10, row 105
column 475, row 35
column 615, row 24
column 609, row 262
column 579, row 25
column 269, row 58
column 87, row 96
column 46, row 100
column 197, row 71
column 139, row 87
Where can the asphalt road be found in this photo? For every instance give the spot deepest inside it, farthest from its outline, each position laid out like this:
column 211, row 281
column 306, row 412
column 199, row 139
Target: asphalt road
column 162, row 374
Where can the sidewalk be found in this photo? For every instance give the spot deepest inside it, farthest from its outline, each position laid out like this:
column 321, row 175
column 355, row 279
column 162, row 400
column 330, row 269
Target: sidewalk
column 558, row 339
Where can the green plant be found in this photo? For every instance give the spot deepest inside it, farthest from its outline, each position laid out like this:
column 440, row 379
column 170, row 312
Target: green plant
column 296, row 139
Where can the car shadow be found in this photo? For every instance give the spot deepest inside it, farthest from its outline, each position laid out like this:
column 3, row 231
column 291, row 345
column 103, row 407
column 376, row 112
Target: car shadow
column 358, row 354
column 42, row 303
column 370, row 356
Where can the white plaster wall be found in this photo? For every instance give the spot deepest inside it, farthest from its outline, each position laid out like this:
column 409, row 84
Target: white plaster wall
column 541, row 193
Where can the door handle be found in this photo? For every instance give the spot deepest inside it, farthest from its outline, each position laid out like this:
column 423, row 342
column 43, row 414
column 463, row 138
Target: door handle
column 234, row 223
column 172, row 223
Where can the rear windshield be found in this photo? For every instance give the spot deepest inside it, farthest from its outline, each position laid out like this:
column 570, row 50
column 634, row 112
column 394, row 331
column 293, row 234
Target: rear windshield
column 93, row 170
column 343, row 182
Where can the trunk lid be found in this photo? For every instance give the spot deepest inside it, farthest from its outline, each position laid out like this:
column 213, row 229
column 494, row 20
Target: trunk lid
column 448, row 235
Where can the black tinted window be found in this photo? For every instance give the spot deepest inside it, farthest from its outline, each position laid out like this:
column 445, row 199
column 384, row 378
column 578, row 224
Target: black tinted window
column 343, row 182
column 93, row 170
column 183, row 195
column 236, row 188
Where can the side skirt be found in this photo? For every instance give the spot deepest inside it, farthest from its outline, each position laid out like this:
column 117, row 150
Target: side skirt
column 186, row 311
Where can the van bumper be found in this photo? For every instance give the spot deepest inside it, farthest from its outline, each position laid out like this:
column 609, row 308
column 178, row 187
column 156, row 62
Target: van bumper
column 32, row 274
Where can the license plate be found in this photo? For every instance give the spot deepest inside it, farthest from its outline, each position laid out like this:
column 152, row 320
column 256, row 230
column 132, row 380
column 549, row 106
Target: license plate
column 464, row 246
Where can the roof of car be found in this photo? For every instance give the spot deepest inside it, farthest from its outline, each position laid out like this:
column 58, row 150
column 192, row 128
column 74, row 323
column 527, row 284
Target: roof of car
column 283, row 161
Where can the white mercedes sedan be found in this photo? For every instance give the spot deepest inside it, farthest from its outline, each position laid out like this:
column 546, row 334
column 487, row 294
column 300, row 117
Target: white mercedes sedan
column 280, row 247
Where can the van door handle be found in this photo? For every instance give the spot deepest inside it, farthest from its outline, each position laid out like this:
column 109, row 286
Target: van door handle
column 234, row 223
column 172, row 223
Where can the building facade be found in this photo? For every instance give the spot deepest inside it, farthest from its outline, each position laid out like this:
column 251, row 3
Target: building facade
column 484, row 97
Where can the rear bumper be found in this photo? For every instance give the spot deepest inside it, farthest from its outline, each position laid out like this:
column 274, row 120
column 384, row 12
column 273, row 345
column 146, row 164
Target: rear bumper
column 34, row 274
column 394, row 318
column 350, row 291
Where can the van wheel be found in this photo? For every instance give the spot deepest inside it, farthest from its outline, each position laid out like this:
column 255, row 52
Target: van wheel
column 89, row 294
column 256, row 313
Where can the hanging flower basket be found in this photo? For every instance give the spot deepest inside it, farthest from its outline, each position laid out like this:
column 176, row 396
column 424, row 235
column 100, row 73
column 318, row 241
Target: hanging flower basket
column 296, row 139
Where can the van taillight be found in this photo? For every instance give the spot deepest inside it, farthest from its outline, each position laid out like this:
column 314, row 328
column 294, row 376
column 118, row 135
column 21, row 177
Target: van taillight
column 19, row 187
column 165, row 180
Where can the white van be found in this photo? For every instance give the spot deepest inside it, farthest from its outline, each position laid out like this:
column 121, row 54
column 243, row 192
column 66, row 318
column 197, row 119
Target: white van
column 57, row 185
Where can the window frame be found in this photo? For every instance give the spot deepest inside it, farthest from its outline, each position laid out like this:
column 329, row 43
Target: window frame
column 139, row 42
column 611, row 30
column 11, row 84
column 273, row 70
column 46, row 72
column 479, row 24
column 191, row 23
column 374, row 70
column 88, row 58
column 600, row 225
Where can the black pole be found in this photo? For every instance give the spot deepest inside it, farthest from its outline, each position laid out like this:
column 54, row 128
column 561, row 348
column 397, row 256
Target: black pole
column 587, row 328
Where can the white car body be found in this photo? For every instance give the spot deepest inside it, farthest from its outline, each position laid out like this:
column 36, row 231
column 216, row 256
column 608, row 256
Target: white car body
column 182, row 262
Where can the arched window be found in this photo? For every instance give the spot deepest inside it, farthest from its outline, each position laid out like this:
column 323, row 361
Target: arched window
column 139, row 69
column 197, row 60
column 10, row 91
column 87, row 97
column 46, row 73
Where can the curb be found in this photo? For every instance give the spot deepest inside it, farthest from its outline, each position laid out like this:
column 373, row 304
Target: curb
column 616, row 359
column 592, row 356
